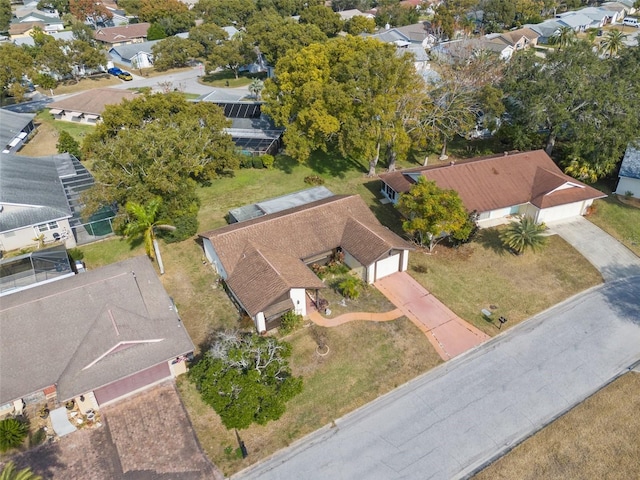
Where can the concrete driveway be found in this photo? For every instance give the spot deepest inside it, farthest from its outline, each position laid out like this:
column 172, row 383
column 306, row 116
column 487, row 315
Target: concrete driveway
column 612, row 259
column 454, row 419
column 448, row 333
column 145, row 437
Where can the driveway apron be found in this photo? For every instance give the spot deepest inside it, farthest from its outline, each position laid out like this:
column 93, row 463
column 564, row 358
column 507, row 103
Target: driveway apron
column 612, row 259
column 448, row 333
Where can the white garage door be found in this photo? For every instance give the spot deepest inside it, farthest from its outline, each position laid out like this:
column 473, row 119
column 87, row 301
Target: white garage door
column 561, row 212
column 387, row 266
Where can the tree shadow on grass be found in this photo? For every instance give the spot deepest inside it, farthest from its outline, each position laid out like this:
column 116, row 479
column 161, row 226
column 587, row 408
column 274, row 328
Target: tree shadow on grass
column 285, row 163
column 386, row 214
column 490, row 238
column 333, row 164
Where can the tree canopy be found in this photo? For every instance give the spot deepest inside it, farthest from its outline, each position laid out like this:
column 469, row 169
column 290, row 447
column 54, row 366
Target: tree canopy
column 350, row 93
column 158, row 145
column 581, row 108
column 5, row 15
column 246, row 378
column 433, row 214
column 175, row 52
column 225, row 12
column 324, row 18
column 90, row 10
column 172, row 15
column 231, row 54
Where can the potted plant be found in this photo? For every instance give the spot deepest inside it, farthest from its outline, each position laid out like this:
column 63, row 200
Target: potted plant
column 70, row 404
column 43, row 412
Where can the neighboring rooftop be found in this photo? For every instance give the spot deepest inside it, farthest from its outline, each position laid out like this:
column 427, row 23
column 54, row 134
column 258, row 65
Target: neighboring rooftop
column 631, row 163
column 11, row 125
column 130, row 50
column 490, row 183
column 278, row 204
column 92, row 102
column 122, row 34
column 86, row 331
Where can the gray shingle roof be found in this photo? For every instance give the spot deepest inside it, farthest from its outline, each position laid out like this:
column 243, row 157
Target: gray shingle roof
column 33, row 183
column 631, row 163
column 128, row 51
column 62, row 332
column 11, row 124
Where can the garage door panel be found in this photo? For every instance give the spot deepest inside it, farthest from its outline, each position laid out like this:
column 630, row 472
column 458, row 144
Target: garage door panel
column 561, row 212
column 387, row 266
column 134, row 382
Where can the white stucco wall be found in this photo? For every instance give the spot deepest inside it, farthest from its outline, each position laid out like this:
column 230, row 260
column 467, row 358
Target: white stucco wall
column 626, row 184
column 298, row 296
column 25, row 237
column 405, row 260
column 370, row 278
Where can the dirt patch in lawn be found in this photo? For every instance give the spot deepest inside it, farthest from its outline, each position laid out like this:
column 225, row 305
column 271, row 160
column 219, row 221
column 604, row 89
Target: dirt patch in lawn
column 600, row 438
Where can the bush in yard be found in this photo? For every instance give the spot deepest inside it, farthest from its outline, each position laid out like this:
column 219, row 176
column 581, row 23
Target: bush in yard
column 350, row 287
column 267, row 161
column 246, row 378
column 68, row 144
column 12, row 433
column 9, row 472
column 76, row 253
column 314, row 180
column 290, row 322
column 526, row 233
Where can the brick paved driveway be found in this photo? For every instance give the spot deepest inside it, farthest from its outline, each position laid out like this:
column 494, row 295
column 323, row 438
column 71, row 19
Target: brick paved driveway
column 448, row 333
column 146, row 437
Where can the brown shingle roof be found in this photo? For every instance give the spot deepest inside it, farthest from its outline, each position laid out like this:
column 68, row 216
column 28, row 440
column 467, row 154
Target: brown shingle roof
column 490, row 183
column 93, row 101
column 124, row 33
column 263, row 257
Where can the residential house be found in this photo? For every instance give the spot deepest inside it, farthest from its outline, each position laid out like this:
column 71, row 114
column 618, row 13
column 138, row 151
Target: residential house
column 20, row 30
column 500, row 187
column 67, row 36
column 88, row 106
column 265, row 261
column 520, row 39
column 41, row 196
column 599, row 16
column 617, row 10
column 576, row 21
column 545, row 30
column 15, row 130
column 629, row 6
column 629, row 176
column 134, row 55
column 94, row 338
column 122, row 35
column 349, row 14
column 47, row 21
column 462, row 49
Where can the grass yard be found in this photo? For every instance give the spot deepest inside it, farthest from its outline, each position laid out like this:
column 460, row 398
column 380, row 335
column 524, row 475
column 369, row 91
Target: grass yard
column 365, row 360
column 47, row 133
column 482, row 273
column 600, row 438
column 620, row 220
column 226, row 78
column 88, row 83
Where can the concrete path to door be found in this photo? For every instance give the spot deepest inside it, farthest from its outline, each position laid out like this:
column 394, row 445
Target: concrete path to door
column 612, row 259
column 447, row 332
column 453, row 420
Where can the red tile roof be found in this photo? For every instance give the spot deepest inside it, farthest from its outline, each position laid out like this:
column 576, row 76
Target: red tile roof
column 123, row 33
column 490, row 183
column 264, row 257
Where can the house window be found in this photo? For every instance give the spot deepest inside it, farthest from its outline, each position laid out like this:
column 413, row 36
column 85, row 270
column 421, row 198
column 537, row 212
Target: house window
column 46, row 226
column 390, row 192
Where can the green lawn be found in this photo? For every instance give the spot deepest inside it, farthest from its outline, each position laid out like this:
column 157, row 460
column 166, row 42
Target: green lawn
column 620, row 220
column 77, row 130
column 226, row 78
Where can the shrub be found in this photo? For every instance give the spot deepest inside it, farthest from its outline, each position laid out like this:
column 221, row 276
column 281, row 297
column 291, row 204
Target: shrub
column 76, row 253
column 518, row 236
column 290, row 322
column 186, row 226
column 38, row 437
column 45, row 80
column 68, row 144
column 350, row 287
column 12, row 433
column 314, row 180
column 267, row 161
column 246, row 162
column 628, row 194
column 257, row 162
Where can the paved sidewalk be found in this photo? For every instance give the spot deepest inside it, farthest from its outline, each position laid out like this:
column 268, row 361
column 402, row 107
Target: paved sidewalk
column 448, row 333
column 612, row 259
column 454, row 419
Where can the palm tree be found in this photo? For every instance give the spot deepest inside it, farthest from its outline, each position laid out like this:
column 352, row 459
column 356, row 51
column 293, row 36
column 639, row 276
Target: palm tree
column 143, row 222
column 9, row 472
column 526, row 233
column 563, row 37
column 612, row 43
column 12, row 433
column 256, row 87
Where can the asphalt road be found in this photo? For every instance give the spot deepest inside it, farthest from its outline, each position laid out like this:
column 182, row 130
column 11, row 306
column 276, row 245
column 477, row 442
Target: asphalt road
column 451, row 421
